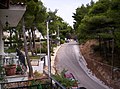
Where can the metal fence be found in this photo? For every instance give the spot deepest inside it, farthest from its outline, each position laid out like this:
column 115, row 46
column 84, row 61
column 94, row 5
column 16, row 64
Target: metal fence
column 43, row 83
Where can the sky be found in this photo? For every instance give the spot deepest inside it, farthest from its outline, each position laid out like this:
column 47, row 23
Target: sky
column 66, row 8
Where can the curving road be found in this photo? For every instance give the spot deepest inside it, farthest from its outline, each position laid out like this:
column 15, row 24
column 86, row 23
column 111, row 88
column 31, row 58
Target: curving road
column 68, row 59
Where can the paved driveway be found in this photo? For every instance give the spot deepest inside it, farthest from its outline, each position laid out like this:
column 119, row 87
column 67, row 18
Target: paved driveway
column 68, row 58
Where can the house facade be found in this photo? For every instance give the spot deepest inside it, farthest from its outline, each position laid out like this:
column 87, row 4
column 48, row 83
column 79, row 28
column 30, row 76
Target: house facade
column 11, row 12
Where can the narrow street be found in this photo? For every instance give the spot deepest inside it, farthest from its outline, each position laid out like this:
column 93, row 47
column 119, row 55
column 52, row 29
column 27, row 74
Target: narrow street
column 68, row 58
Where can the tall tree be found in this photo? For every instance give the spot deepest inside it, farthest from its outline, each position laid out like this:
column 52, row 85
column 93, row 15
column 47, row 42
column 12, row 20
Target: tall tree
column 26, row 51
column 35, row 17
column 95, row 21
column 79, row 15
column 114, row 14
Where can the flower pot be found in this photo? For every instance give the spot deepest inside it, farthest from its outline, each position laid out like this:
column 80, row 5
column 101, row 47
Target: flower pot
column 10, row 70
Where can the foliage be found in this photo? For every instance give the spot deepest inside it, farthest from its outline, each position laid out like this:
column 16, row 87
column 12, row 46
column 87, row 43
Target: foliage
column 62, row 41
column 37, row 83
column 68, row 83
column 100, row 21
column 35, row 57
column 1, row 73
column 37, row 74
column 18, row 68
column 79, row 15
column 101, row 17
column 10, row 50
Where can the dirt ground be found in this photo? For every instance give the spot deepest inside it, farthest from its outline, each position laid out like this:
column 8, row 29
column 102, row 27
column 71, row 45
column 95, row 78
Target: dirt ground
column 102, row 70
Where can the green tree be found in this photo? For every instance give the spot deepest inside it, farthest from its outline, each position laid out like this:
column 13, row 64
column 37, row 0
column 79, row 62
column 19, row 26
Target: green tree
column 35, row 17
column 114, row 14
column 101, row 20
column 58, row 26
column 79, row 15
column 95, row 20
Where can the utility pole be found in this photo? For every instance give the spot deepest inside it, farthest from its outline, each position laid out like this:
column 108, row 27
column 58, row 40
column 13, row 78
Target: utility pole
column 48, row 50
column 40, row 46
column 58, row 36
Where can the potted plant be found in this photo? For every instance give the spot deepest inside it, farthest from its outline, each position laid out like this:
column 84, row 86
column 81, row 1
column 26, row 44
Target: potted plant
column 1, row 73
column 18, row 69
column 10, row 69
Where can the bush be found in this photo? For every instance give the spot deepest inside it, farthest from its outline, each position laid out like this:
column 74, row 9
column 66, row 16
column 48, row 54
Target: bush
column 10, row 50
column 62, row 41
column 66, row 82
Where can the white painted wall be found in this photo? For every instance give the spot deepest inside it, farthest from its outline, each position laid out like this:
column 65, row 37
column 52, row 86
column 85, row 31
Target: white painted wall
column 38, row 68
column 1, row 41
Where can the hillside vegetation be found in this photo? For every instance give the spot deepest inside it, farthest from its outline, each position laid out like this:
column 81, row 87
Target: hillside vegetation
column 99, row 66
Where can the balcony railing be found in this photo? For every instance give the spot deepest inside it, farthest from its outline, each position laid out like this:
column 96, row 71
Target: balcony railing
column 27, row 84
column 7, row 61
column 43, row 83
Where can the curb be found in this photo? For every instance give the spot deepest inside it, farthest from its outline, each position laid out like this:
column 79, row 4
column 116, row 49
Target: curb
column 53, row 59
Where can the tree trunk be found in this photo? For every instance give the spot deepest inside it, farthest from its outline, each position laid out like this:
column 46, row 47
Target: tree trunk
column 33, row 38
column 19, row 39
column 30, row 39
column 26, row 52
column 10, row 37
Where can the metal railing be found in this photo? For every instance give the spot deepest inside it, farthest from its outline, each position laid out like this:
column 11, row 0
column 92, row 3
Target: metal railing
column 42, row 83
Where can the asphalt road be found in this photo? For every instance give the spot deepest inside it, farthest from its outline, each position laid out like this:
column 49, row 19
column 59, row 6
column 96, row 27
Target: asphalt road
column 67, row 59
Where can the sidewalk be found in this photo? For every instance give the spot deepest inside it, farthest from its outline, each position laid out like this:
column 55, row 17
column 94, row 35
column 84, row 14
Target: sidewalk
column 53, row 59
